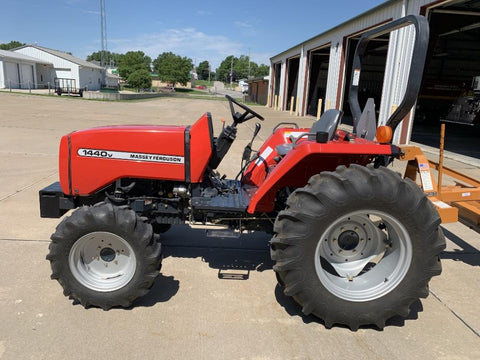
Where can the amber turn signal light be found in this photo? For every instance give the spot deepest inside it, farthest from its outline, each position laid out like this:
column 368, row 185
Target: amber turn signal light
column 384, row 134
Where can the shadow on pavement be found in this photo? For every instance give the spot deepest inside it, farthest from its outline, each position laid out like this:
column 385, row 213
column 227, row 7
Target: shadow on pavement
column 469, row 254
column 164, row 288
column 233, row 257
column 293, row 309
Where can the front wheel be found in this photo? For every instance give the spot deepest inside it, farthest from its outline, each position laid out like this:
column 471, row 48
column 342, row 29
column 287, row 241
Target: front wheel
column 104, row 256
column 357, row 246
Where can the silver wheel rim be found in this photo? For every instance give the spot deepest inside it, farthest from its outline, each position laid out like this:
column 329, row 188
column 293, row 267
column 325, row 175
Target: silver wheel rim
column 102, row 261
column 363, row 255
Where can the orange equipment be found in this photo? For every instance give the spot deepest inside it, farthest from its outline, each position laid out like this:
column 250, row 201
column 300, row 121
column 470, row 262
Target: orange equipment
column 459, row 200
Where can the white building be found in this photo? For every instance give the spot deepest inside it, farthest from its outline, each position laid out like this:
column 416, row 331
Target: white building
column 79, row 73
column 320, row 68
column 18, row 71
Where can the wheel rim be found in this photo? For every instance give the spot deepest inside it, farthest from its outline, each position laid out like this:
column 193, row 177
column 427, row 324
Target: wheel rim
column 363, row 255
column 102, row 261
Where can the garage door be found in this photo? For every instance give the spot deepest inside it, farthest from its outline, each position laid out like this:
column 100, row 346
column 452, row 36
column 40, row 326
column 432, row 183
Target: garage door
column 27, row 76
column 11, row 75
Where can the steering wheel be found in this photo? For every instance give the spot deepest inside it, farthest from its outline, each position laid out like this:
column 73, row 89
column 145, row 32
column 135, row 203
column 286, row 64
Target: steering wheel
column 247, row 115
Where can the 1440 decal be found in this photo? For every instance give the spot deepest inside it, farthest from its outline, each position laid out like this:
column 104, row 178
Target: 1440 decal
column 124, row 155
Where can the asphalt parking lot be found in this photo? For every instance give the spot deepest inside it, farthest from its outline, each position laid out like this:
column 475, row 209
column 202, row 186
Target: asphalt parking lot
column 191, row 312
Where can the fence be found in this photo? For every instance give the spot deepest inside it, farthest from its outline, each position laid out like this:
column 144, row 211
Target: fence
column 11, row 84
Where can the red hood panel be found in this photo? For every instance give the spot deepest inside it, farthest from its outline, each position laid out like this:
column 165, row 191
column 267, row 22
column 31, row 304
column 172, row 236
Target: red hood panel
column 99, row 156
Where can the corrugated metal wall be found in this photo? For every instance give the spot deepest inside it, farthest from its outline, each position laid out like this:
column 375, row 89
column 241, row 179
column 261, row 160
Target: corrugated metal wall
column 396, row 70
column 90, row 78
column 2, row 84
column 63, row 68
column 12, row 76
column 17, row 74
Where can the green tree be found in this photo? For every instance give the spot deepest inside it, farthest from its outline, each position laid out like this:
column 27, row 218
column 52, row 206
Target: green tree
column 109, row 57
column 140, row 79
column 132, row 61
column 11, row 45
column 243, row 68
column 225, row 66
column 203, row 70
column 173, row 68
column 263, row 70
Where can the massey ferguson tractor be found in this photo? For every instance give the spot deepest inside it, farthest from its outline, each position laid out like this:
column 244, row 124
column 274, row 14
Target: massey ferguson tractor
column 353, row 242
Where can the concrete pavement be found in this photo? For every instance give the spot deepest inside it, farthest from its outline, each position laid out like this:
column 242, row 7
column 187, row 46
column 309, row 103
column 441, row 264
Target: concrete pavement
column 191, row 313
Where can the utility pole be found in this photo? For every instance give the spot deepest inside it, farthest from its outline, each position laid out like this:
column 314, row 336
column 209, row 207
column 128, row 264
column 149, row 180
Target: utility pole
column 248, row 77
column 193, row 72
column 103, row 34
column 231, row 72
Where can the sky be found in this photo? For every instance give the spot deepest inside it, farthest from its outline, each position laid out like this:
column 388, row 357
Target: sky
column 199, row 30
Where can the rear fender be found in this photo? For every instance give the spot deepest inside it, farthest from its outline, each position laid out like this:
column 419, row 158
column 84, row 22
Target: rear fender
column 257, row 171
column 310, row 158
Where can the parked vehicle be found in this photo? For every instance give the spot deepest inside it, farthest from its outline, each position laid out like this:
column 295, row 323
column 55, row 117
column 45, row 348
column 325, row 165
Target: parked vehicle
column 244, row 86
column 353, row 243
column 168, row 89
column 67, row 86
column 466, row 108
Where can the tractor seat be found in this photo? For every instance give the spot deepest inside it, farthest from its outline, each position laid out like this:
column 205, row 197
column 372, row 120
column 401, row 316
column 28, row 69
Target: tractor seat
column 327, row 123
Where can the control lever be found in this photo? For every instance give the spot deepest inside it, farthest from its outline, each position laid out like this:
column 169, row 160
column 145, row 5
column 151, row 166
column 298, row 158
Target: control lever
column 247, row 152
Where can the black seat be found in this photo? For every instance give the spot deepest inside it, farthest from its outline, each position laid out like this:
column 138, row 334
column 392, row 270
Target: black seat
column 328, row 122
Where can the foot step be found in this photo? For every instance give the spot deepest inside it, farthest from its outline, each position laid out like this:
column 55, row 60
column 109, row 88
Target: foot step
column 223, row 233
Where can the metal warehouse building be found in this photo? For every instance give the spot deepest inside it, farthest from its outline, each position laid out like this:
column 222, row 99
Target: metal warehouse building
column 71, row 71
column 320, row 68
column 18, row 71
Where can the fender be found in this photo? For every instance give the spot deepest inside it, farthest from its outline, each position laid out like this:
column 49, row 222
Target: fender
column 305, row 160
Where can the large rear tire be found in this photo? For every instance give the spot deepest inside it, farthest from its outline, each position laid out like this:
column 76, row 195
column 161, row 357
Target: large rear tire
column 357, row 246
column 104, row 256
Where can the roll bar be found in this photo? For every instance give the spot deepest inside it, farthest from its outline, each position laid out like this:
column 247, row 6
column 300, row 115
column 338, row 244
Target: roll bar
column 416, row 66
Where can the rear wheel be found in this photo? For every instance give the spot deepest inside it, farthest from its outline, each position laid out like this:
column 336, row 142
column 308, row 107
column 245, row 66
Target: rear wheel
column 104, row 256
column 357, row 246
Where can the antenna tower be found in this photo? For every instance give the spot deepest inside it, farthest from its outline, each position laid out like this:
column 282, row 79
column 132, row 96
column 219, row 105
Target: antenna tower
column 103, row 31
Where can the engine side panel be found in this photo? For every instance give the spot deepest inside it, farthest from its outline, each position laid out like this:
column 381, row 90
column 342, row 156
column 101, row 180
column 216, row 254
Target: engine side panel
column 94, row 158
column 201, row 147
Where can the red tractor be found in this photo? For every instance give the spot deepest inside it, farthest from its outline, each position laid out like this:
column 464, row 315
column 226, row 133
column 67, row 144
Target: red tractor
column 353, row 243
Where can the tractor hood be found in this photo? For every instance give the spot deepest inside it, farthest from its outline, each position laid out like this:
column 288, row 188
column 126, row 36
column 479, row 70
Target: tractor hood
column 92, row 159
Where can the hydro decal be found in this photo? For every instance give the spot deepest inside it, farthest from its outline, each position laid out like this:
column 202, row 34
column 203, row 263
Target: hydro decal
column 124, row 155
